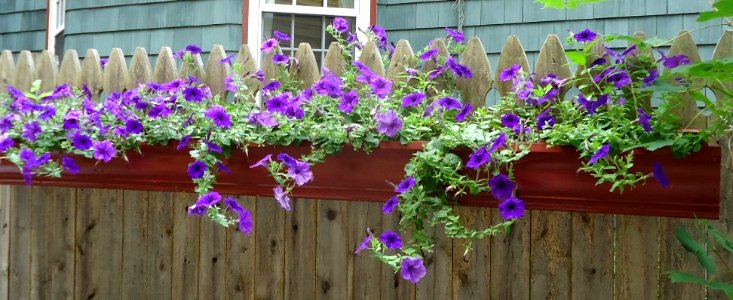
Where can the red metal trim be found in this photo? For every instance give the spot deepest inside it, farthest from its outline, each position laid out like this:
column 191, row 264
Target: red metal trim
column 245, row 20
column 546, row 178
column 373, row 12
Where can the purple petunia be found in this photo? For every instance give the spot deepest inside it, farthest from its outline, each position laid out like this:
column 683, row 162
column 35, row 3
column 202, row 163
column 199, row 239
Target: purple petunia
column 388, row 123
column 413, row 99
column 193, row 94
column 194, row 49
column 465, row 111
column 365, row 243
column 390, row 205
column 340, row 24
column 458, row 69
column 104, row 151
column 478, row 158
column 512, row 208
column 659, row 174
column 391, row 239
column 268, row 45
column 81, row 141
column 380, row 34
column 6, row 143
column 300, row 172
column 271, row 86
column 592, row 106
column 510, row 120
column 262, row 162
column 233, row 205
column 585, row 36
column 545, row 120
column 412, row 269
column 227, row 60
column 219, row 115
column 329, row 84
column 264, row 118
column 348, row 101
column 280, row 36
column 203, row 203
column 644, row 119
column 70, row 165
column 133, row 126
column 381, row 87
column 429, row 55
column 600, row 153
column 287, row 159
column 674, row 61
column 6, row 123
column 649, row 80
column 246, row 224
column 498, row 143
column 280, row 59
column 278, row 103
column 510, row 73
column 405, row 185
column 455, row 35
column 31, row 131
column 501, row 186
column 449, row 103
column 197, row 169
column 282, row 198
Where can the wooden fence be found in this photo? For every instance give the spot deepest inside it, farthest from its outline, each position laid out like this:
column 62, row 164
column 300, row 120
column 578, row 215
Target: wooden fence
column 111, row 244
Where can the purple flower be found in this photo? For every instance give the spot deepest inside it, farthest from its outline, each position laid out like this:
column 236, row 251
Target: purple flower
column 6, row 143
column 245, row 222
column 455, row 35
column 194, row 49
column 222, row 168
column 219, row 115
column 282, row 198
column 340, row 24
column 545, row 120
column 197, row 169
column 348, row 101
column 600, row 153
column 133, row 126
column 390, row 205
column 465, row 111
column 301, row 172
column 510, row 120
column 70, row 165
column 183, row 142
column 391, row 239
column 264, row 118
column 501, row 186
column 405, row 185
column 478, row 158
column 380, row 34
column 271, row 86
column 280, row 59
column 449, row 103
column 428, row 55
column 458, row 69
column 659, row 174
column 585, row 36
column 649, row 80
column 280, row 36
column 510, row 73
column 47, row 113
column 213, row 147
column 268, row 45
column 278, row 103
column 329, row 84
column 674, row 61
column 498, row 143
column 6, row 123
column 592, row 106
column 512, row 208
column 31, row 131
column 233, row 205
column 644, row 119
column 103, row 62
column 620, row 79
column 262, row 162
column 388, row 123
column 380, row 86
column 287, row 159
column 81, row 141
column 203, row 203
column 27, row 156
column 412, row 269
column 413, row 99
column 364, row 244
column 429, row 110
column 104, row 151
column 227, row 60
column 193, row 94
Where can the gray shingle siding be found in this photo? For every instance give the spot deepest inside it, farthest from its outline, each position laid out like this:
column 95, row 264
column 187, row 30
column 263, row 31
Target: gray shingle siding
column 23, row 25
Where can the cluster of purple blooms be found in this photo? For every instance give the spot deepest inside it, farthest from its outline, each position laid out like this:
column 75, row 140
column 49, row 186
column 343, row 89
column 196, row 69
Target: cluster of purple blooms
column 210, row 199
column 299, row 171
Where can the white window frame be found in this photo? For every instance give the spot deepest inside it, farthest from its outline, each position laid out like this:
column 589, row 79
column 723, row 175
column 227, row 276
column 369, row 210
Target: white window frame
column 255, row 36
column 54, row 26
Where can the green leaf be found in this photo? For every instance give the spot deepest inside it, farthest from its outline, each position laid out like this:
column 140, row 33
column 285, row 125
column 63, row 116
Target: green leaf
column 688, row 242
column 577, row 57
column 561, row 4
column 651, row 146
column 721, row 9
column 684, row 277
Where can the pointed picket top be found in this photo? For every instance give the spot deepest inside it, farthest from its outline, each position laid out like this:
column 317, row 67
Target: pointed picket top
column 402, row 58
column 244, row 59
column 688, row 112
column 46, row 70
column 474, row 89
column 115, row 72
column 645, row 97
column 70, row 69
column 7, row 69
column 335, row 61
column 642, row 36
column 512, row 54
column 305, row 67
column 583, row 80
column 25, row 71
column 140, row 71
column 217, row 72
column 165, row 66
column 724, row 49
column 442, row 52
column 91, row 73
column 552, row 60
column 269, row 67
column 371, row 58
column 194, row 68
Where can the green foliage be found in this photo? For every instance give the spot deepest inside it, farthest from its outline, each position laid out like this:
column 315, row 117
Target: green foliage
column 721, row 9
column 561, row 4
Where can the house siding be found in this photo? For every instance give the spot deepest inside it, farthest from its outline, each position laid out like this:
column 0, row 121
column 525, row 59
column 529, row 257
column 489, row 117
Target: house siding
column 23, row 25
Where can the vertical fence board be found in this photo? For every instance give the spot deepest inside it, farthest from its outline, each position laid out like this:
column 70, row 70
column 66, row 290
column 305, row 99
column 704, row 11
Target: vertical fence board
column 194, row 68
column 366, row 270
column 300, row 249
column 47, row 68
column 19, row 284
column 186, row 248
column 432, row 64
column 269, row 67
column 592, row 256
column 269, row 241
column 438, row 283
column 510, row 260
column 52, row 243
column 371, row 58
column 7, row 69
column 216, row 72
column 636, row 257
column 402, row 58
column 212, row 275
column 25, row 71
column 98, row 244
column 70, row 69
column 165, row 66
column 725, row 224
column 244, row 58
column 474, row 89
column 512, row 53
column 551, row 266
column 6, row 196
column 115, row 72
column 135, row 240
column 305, row 66
column 723, row 49
column 471, row 271
column 393, row 286
column 335, row 61
column 672, row 257
column 91, row 73
column 687, row 110
column 140, row 71
column 552, row 60
column 332, row 254
column 240, row 265
column 160, row 245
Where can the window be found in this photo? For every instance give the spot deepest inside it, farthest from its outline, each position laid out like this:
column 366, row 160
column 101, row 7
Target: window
column 56, row 22
column 304, row 20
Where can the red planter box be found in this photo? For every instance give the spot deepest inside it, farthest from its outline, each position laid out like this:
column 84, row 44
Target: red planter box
column 547, row 178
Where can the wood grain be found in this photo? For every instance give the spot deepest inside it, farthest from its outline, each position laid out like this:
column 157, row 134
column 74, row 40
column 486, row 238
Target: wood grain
column 19, row 283
column 300, row 249
column 186, row 248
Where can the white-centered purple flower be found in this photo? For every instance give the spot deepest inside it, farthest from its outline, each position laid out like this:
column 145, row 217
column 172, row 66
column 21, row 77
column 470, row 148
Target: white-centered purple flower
column 282, row 198
column 512, row 208
column 412, row 269
column 300, row 172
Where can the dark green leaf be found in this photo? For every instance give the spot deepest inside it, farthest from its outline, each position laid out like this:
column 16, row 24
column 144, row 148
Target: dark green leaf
column 721, row 9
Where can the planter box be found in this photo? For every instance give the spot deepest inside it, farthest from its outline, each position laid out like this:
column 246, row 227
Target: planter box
column 547, row 178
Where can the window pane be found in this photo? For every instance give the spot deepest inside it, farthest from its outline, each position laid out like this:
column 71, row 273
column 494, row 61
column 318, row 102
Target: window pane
column 279, row 22
column 309, row 2
column 341, row 3
column 308, row 30
column 329, row 38
column 288, row 2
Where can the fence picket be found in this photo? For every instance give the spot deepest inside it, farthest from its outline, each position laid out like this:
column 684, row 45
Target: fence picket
column 687, row 110
column 165, row 67
column 216, row 72
column 70, row 70
column 115, row 73
column 402, row 58
column 25, row 71
column 244, row 58
column 335, row 61
column 552, row 60
column 7, row 69
column 91, row 73
column 140, row 71
column 269, row 67
column 474, row 89
column 194, row 68
column 512, row 53
column 305, row 66
column 47, row 68
column 371, row 58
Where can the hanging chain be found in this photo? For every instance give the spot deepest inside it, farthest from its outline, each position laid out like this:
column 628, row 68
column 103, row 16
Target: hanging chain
column 458, row 6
